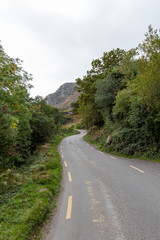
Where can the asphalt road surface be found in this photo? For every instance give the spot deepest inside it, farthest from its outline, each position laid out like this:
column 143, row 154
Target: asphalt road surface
column 105, row 197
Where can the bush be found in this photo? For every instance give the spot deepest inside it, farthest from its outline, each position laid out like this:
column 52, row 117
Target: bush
column 42, row 129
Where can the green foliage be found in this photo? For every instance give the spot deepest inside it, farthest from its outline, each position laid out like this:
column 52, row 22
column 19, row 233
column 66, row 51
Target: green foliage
column 75, row 106
column 42, row 123
column 67, row 119
column 108, row 126
column 91, row 115
column 88, row 108
column 8, row 134
column 135, row 129
column 42, row 128
column 23, row 138
column 14, row 111
column 107, row 89
column 129, row 64
column 24, row 122
column 122, row 104
column 27, row 193
column 122, row 91
column 147, row 83
column 112, row 59
column 81, row 125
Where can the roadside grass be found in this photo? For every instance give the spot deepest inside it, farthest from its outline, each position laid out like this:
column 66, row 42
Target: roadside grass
column 88, row 138
column 31, row 193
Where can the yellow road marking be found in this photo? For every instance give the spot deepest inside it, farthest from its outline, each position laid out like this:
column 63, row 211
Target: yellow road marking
column 92, row 147
column 69, row 208
column 90, row 189
column 69, row 176
column 136, row 169
column 62, row 156
column 113, row 157
column 87, row 182
column 65, row 164
column 61, row 150
column 98, row 220
column 100, row 152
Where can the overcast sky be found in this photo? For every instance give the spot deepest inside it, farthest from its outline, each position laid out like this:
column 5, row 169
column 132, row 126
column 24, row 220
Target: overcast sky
column 58, row 39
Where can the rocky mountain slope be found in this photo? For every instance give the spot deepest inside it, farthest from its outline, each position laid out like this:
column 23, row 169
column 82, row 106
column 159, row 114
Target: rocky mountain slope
column 63, row 97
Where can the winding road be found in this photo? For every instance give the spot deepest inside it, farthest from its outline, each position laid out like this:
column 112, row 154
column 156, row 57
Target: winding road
column 105, row 197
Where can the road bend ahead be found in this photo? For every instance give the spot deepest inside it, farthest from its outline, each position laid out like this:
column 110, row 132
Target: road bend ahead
column 105, row 197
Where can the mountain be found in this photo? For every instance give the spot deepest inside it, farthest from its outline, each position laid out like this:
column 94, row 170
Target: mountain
column 63, row 97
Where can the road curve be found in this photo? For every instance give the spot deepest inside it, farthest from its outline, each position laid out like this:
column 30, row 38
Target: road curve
column 105, row 197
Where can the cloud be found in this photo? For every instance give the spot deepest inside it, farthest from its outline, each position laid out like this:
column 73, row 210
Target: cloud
column 58, row 39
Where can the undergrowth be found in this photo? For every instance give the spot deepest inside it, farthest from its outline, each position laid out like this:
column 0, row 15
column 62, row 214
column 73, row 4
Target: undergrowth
column 28, row 193
column 101, row 143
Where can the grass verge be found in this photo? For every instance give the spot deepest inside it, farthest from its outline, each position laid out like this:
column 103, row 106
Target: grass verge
column 31, row 193
column 88, row 139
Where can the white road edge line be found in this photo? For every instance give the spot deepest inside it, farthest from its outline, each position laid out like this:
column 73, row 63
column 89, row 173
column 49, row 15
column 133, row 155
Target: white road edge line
column 100, row 152
column 113, row 157
column 136, row 169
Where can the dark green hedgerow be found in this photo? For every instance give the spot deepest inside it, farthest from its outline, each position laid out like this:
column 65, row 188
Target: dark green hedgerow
column 100, row 143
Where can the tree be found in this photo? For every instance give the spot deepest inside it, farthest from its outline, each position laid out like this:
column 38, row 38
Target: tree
column 87, row 86
column 107, row 89
column 75, row 106
column 44, row 123
column 147, row 83
column 15, row 110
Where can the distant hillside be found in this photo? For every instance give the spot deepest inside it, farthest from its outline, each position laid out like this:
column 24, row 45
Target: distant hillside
column 63, row 97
